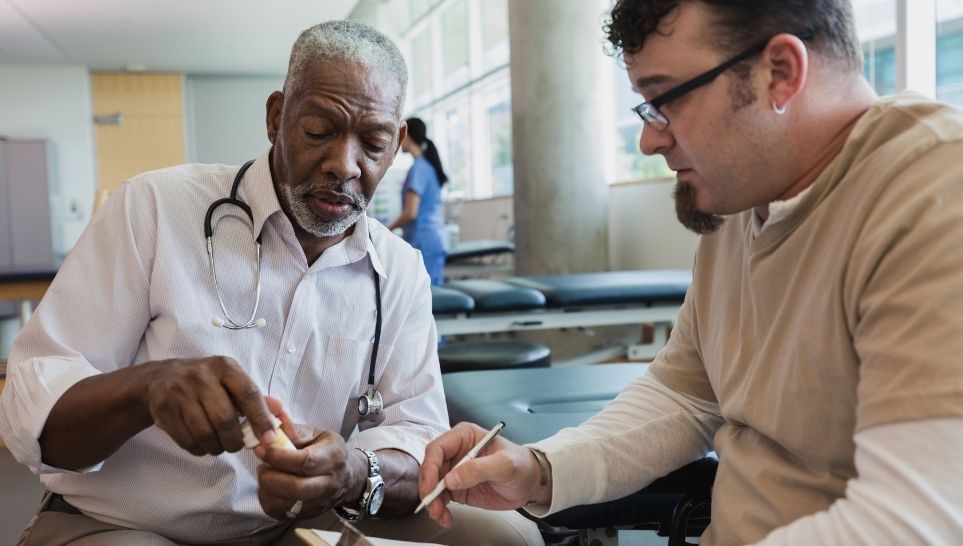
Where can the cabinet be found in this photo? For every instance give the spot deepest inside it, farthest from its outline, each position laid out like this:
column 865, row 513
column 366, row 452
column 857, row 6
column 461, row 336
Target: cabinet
column 26, row 233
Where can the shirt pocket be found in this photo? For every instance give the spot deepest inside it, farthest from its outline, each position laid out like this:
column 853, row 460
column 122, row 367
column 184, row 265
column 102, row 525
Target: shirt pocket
column 346, row 364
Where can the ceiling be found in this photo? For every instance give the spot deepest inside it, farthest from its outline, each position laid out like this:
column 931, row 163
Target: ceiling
column 193, row 36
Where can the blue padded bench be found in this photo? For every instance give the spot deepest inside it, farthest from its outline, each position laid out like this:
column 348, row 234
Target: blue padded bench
column 494, row 354
column 609, row 298
column 536, row 403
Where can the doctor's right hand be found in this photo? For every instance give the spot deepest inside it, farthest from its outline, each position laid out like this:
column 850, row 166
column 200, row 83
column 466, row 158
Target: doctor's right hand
column 503, row 477
column 197, row 402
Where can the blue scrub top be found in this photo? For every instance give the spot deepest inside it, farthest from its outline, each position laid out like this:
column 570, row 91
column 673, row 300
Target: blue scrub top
column 427, row 231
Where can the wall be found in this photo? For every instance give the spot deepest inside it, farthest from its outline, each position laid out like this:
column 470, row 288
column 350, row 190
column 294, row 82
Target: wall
column 53, row 103
column 643, row 230
column 226, row 117
column 484, row 219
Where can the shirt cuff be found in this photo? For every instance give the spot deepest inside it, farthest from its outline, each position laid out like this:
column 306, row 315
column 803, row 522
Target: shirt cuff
column 409, row 439
column 32, row 389
column 580, row 475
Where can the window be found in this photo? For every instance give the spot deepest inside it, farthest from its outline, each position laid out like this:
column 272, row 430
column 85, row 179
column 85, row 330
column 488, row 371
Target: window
column 876, row 26
column 457, row 152
column 949, row 51
column 494, row 32
column 630, row 163
column 498, row 114
column 454, row 31
column 458, row 54
column 421, row 64
column 418, row 8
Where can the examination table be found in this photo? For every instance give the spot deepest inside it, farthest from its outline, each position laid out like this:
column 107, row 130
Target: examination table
column 536, row 403
column 608, row 298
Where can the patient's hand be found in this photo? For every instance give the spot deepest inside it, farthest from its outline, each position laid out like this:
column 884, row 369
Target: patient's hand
column 322, row 473
column 503, row 477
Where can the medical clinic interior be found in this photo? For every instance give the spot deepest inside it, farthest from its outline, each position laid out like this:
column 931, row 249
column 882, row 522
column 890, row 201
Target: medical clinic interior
column 518, row 206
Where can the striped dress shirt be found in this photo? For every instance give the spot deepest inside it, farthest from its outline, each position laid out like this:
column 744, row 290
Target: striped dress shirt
column 137, row 287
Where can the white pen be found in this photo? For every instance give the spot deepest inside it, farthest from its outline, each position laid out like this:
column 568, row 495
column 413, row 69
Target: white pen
column 468, row 456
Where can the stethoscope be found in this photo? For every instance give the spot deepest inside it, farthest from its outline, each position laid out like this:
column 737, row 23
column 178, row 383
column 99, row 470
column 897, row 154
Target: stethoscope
column 371, row 403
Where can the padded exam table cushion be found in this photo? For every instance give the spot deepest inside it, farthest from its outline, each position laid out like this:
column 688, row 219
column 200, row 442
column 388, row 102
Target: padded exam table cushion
column 535, row 403
column 492, row 354
column 465, row 250
column 494, row 296
column 445, row 301
column 609, row 287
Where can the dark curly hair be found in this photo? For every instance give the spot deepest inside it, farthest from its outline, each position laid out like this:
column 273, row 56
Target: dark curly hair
column 740, row 23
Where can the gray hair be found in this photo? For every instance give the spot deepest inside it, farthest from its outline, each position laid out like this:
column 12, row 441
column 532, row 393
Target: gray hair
column 347, row 41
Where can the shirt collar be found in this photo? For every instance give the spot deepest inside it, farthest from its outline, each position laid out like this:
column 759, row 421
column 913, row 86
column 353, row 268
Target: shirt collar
column 257, row 190
column 778, row 211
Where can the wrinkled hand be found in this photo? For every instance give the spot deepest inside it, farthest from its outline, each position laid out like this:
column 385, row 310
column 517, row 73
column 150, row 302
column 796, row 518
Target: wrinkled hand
column 197, row 402
column 322, row 473
column 503, row 477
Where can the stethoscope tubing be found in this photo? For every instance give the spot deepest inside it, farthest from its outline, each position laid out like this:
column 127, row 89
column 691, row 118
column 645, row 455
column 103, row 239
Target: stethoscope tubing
column 372, row 396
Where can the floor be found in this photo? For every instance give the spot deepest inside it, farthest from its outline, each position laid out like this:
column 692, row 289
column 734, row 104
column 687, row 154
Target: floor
column 19, row 497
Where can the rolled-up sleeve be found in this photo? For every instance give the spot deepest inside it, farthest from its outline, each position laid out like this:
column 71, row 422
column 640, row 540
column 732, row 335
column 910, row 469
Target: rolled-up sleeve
column 90, row 321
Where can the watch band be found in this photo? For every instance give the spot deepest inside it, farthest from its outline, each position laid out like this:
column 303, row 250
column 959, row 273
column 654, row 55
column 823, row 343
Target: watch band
column 374, row 480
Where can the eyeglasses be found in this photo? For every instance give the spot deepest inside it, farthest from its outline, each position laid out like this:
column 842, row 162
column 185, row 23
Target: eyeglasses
column 649, row 112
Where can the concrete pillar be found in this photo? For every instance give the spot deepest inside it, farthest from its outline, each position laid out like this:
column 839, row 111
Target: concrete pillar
column 561, row 124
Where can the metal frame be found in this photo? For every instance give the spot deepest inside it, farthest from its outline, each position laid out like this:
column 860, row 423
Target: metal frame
column 661, row 316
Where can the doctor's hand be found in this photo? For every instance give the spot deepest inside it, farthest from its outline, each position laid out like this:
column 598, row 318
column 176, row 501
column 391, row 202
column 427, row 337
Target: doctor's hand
column 197, row 402
column 323, row 472
column 503, row 477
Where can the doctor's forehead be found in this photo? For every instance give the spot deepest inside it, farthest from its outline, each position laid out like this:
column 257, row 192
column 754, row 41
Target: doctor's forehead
column 355, row 81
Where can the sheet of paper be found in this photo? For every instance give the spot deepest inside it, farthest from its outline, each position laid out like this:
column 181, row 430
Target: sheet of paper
column 315, row 537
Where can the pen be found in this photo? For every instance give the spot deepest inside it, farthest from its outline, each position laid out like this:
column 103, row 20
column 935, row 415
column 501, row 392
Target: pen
column 468, row 456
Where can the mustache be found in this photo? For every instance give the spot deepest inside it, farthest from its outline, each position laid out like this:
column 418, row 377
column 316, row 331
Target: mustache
column 337, row 192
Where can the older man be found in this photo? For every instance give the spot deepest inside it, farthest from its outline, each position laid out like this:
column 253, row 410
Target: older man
column 115, row 396
column 818, row 350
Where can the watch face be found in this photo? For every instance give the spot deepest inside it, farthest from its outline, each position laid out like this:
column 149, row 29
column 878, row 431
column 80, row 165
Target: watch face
column 377, row 496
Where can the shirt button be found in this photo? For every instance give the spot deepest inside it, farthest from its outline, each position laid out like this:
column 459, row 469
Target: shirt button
column 290, row 349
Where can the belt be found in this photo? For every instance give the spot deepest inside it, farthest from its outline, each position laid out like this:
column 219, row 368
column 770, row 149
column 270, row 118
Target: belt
column 58, row 504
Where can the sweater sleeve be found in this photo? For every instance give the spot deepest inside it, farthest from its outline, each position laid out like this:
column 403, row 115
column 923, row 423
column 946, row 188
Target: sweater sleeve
column 907, row 491
column 648, row 431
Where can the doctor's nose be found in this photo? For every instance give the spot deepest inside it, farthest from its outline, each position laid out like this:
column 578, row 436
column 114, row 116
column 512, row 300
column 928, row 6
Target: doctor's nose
column 342, row 161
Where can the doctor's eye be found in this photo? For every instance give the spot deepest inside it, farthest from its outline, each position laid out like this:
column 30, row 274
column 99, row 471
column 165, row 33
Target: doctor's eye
column 318, row 134
column 376, row 147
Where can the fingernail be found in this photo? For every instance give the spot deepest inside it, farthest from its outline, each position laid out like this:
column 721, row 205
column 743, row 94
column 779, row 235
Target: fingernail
column 268, row 437
column 259, row 452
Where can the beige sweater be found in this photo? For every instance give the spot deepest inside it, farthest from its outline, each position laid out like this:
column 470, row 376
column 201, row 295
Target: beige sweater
column 846, row 315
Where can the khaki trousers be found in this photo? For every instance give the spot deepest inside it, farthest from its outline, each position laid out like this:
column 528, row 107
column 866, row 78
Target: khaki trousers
column 59, row 524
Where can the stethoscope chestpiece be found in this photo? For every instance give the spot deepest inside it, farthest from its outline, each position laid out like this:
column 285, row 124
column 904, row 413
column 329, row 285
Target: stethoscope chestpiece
column 370, row 403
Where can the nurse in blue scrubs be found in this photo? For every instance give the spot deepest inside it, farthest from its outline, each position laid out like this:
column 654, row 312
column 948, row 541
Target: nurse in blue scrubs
column 421, row 219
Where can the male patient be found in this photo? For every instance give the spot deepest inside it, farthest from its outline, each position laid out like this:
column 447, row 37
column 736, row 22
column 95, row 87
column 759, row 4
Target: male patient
column 820, row 347
column 126, row 400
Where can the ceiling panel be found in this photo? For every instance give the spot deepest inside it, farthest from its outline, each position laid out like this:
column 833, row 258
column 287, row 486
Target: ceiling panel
column 194, row 36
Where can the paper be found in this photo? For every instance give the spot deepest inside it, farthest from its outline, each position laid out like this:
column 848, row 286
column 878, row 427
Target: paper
column 315, row 537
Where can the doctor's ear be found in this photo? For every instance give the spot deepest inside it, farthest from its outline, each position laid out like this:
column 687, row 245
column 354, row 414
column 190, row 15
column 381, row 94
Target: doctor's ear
column 275, row 102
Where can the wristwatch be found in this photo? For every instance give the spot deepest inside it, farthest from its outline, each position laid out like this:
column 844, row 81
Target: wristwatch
column 374, row 492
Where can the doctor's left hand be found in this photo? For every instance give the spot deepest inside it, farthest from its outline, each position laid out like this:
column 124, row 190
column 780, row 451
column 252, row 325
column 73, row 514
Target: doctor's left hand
column 322, row 473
